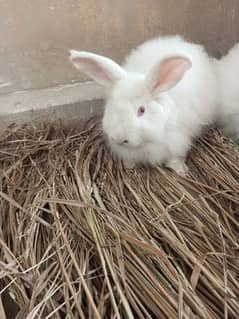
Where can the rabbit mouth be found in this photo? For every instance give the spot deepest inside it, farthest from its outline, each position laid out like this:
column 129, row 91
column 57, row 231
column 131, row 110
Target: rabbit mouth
column 132, row 146
column 129, row 146
column 126, row 144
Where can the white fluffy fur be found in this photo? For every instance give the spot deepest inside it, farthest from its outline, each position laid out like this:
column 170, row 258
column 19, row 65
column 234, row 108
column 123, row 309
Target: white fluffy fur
column 163, row 135
column 228, row 70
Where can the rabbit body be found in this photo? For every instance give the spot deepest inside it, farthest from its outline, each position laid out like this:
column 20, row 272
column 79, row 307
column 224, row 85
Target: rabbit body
column 228, row 115
column 161, row 98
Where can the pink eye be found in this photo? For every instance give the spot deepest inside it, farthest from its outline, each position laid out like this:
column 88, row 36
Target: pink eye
column 141, row 110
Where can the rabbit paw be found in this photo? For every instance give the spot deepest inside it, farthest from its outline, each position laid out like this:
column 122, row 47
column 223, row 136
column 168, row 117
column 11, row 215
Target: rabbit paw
column 129, row 164
column 178, row 165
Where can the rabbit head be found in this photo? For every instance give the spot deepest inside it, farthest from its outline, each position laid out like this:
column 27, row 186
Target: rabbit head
column 134, row 99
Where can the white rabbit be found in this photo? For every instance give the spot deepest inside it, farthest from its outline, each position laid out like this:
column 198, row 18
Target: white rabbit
column 228, row 115
column 158, row 101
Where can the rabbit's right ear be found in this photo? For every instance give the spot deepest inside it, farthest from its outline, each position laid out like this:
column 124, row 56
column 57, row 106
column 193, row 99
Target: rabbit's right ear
column 103, row 70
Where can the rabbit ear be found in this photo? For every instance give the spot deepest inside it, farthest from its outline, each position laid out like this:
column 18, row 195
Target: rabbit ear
column 167, row 73
column 103, row 70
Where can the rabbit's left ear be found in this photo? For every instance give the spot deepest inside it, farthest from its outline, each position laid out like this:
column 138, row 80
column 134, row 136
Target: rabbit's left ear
column 167, row 73
column 101, row 69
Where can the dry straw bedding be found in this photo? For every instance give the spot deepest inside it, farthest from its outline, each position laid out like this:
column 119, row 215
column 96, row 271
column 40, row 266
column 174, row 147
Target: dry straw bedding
column 81, row 237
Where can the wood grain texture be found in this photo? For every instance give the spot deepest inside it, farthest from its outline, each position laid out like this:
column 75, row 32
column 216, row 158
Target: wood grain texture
column 36, row 35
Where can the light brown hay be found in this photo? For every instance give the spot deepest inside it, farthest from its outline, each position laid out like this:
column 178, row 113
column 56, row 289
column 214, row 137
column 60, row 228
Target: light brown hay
column 82, row 238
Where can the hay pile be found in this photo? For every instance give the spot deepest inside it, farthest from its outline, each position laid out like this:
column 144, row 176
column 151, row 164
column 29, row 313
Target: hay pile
column 82, row 238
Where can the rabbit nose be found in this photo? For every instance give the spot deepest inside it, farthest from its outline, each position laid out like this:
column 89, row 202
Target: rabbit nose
column 120, row 141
